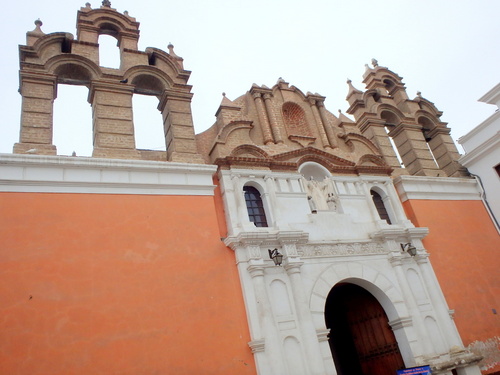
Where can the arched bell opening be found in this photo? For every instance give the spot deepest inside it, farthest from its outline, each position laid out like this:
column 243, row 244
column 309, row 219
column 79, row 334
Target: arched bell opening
column 361, row 340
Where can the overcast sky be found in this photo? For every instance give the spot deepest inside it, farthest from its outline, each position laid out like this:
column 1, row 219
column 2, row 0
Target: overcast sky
column 448, row 50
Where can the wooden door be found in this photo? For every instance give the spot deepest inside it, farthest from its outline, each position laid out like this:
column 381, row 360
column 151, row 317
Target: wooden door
column 361, row 340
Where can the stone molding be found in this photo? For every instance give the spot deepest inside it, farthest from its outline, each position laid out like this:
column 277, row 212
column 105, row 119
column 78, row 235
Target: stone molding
column 484, row 149
column 60, row 174
column 340, row 249
column 257, row 345
column 436, row 188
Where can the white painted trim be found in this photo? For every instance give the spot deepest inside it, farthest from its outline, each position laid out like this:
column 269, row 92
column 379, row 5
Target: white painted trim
column 484, row 149
column 436, row 188
column 480, row 129
column 492, row 96
column 60, row 174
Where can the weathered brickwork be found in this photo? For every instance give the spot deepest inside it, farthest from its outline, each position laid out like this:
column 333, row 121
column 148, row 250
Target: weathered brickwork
column 45, row 62
column 295, row 120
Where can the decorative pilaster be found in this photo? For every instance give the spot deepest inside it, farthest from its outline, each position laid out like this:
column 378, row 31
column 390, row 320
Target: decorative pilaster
column 113, row 120
column 271, row 338
column 261, row 112
column 422, row 345
column 38, row 92
column 438, row 301
column 307, row 330
column 240, row 202
column 319, row 124
column 272, row 119
column 175, row 107
column 324, row 119
column 413, row 149
column 374, row 130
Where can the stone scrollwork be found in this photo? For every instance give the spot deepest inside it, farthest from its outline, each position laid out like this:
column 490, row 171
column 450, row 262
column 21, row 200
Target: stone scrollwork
column 340, row 249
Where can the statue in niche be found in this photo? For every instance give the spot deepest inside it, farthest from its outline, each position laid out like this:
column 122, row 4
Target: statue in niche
column 320, row 195
column 312, row 206
column 331, row 201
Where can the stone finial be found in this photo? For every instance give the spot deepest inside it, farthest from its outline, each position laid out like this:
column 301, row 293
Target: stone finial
column 224, row 94
column 352, row 90
column 125, row 12
column 351, row 87
column 175, row 56
column 374, row 63
column 419, row 94
column 87, row 5
column 106, row 3
column 38, row 25
column 280, row 79
column 171, row 50
column 35, row 34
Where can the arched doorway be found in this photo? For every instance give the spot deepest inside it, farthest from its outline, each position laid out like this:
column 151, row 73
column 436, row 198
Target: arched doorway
column 361, row 340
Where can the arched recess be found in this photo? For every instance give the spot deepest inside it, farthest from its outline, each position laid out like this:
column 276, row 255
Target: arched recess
column 295, row 362
column 72, row 113
column 361, row 340
column 375, row 282
column 256, row 205
column 382, row 204
column 314, row 171
column 391, row 122
column 149, row 128
column 109, row 52
column 427, row 127
column 295, row 120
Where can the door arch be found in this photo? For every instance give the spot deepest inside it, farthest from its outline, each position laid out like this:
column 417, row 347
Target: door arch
column 361, row 340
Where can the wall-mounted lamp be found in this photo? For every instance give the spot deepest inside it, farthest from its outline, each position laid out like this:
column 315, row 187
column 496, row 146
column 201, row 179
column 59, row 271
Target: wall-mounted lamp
column 409, row 248
column 276, row 256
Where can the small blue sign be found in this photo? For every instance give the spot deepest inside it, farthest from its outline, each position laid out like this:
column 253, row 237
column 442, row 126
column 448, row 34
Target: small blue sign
column 421, row 370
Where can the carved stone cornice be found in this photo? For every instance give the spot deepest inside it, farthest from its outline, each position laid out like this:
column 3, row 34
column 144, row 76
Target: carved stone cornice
column 401, row 323
column 266, row 238
column 403, row 127
column 340, row 249
column 323, row 334
column 438, row 131
column 257, row 345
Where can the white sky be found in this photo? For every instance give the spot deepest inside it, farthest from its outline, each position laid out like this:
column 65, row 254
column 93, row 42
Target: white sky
column 448, row 50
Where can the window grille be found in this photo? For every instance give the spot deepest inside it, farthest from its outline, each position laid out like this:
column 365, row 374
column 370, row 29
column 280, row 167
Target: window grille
column 255, row 207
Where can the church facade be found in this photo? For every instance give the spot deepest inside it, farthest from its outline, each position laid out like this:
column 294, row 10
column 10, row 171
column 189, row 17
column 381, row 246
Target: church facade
column 284, row 239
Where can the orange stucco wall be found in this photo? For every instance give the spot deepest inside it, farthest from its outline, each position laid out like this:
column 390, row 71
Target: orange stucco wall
column 118, row 284
column 465, row 253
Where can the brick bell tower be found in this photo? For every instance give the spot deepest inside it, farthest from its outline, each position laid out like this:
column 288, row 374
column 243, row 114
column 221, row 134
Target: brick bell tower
column 49, row 59
column 384, row 112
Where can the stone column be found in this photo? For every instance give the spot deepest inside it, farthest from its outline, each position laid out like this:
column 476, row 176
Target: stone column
column 175, row 107
column 271, row 336
column 394, row 203
column 445, row 152
column 38, row 92
column 272, row 119
column 324, row 118
column 241, row 207
column 371, row 205
column 319, row 124
column 438, row 301
column 309, row 335
column 264, row 122
column 271, row 202
column 423, row 344
column 413, row 149
column 112, row 119
column 374, row 130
